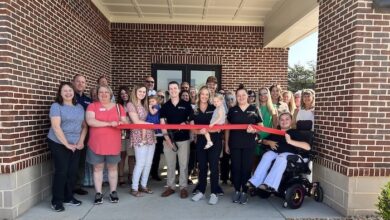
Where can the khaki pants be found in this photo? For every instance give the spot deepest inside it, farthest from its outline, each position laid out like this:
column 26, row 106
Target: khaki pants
column 183, row 153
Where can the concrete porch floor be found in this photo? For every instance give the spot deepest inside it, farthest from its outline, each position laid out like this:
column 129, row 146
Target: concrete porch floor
column 155, row 207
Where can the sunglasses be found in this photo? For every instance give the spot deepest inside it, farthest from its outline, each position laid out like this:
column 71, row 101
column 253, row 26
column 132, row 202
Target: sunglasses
column 264, row 93
column 147, row 81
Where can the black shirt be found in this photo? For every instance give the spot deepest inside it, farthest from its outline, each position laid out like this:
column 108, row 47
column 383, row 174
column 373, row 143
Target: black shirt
column 202, row 118
column 177, row 115
column 241, row 138
column 83, row 100
column 296, row 135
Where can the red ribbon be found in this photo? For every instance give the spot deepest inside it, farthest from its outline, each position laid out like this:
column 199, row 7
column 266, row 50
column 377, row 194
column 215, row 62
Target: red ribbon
column 198, row 127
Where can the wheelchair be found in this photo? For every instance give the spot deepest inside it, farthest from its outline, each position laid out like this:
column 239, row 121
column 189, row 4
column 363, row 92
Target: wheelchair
column 294, row 185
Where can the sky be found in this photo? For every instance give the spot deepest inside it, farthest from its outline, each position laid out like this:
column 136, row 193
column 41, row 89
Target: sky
column 304, row 51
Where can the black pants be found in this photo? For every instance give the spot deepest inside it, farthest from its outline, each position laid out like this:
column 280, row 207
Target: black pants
column 242, row 159
column 81, row 169
column 192, row 159
column 225, row 167
column 66, row 165
column 156, row 157
column 209, row 158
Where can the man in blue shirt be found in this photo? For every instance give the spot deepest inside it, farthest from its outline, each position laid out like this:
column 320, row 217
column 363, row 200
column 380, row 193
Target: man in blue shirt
column 79, row 84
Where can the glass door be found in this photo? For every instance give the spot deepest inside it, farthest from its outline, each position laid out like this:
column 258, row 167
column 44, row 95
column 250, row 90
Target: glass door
column 196, row 75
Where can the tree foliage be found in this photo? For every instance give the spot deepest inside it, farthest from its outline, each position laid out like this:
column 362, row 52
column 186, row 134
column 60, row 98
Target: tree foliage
column 384, row 202
column 301, row 77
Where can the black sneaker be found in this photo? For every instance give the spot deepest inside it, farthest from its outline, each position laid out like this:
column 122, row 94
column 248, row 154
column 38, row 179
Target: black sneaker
column 73, row 202
column 80, row 191
column 236, row 197
column 243, row 198
column 57, row 207
column 114, row 197
column 98, row 199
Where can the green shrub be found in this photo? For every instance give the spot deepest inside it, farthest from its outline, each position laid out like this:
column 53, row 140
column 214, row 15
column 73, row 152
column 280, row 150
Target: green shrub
column 384, row 202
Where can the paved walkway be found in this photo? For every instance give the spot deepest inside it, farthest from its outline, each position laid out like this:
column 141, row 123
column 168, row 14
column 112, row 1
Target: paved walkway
column 155, row 207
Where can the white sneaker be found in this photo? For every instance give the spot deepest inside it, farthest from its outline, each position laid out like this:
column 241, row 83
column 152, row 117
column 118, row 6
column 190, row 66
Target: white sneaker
column 213, row 199
column 197, row 197
column 208, row 145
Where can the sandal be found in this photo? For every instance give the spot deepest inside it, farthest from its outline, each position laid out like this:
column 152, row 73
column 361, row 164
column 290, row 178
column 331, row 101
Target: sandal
column 136, row 193
column 146, row 190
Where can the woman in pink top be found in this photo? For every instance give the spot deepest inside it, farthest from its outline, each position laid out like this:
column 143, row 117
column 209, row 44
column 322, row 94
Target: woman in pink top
column 144, row 149
column 104, row 142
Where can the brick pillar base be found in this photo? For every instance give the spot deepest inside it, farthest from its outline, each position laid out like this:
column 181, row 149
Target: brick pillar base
column 21, row 190
column 349, row 196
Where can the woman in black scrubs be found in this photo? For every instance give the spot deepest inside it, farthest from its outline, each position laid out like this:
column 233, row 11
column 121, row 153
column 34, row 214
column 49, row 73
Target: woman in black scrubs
column 241, row 143
column 206, row 157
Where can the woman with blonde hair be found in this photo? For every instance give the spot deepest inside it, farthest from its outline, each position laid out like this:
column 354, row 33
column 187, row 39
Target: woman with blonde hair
column 208, row 158
column 289, row 99
column 269, row 116
column 144, row 149
column 276, row 95
column 304, row 117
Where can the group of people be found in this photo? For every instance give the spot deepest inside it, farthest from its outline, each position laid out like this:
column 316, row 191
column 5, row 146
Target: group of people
column 87, row 147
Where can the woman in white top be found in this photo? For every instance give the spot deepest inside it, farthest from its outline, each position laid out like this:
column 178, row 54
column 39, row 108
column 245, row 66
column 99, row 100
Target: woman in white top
column 304, row 117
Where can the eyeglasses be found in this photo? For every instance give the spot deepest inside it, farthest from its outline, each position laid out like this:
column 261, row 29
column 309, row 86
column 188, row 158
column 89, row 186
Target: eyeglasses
column 161, row 96
column 147, row 81
column 229, row 99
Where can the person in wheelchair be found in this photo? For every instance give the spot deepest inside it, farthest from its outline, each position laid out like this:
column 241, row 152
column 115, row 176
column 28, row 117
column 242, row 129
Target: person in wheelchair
column 294, row 142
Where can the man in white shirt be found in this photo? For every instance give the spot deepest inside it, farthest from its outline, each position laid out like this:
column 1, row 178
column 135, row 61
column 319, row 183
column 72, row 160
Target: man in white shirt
column 149, row 83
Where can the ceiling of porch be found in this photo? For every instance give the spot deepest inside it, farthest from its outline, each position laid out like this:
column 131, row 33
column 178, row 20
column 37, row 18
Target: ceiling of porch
column 208, row 12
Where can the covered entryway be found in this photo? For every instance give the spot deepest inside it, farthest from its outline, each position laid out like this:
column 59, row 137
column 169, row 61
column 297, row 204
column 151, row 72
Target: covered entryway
column 45, row 42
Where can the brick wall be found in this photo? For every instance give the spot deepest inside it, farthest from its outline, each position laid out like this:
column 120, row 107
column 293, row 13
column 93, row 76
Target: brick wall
column 238, row 49
column 353, row 88
column 43, row 43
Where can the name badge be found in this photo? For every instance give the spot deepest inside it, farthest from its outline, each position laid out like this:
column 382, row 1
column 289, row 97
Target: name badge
column 102, row 109
column 181, row 107
column 210, row 112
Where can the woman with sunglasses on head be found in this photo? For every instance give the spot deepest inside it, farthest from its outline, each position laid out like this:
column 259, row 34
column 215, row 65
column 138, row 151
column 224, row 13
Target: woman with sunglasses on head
column 304, row 117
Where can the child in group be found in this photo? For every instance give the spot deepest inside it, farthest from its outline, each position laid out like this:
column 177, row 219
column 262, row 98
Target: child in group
column 218, row 118
column 153, row 115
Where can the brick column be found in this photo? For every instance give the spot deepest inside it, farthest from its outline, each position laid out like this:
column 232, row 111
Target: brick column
column 353, row 104
column 42, row 43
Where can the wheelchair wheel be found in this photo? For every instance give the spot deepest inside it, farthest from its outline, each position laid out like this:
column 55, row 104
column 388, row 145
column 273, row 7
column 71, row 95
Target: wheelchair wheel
column 318, row 194
column 263, row 194
column 294, row 196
